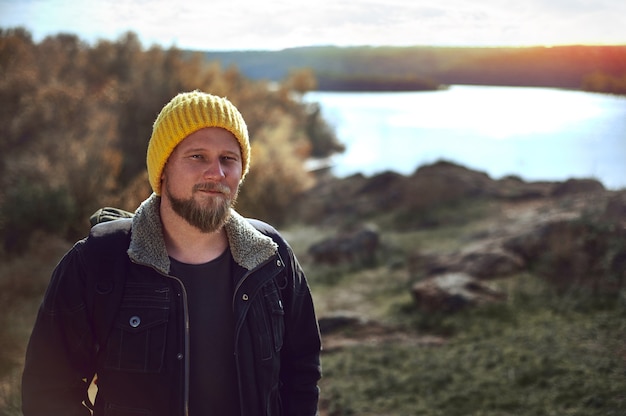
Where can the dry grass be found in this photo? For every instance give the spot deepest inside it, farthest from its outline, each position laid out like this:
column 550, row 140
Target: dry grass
column 23, row 281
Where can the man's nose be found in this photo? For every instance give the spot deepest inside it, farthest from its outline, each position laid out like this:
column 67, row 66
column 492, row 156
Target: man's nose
column 214, row 169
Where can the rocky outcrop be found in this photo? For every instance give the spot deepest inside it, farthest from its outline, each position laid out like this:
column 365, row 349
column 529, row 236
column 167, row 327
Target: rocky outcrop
column 582, row 252
column 583, row 249
column 358, row 248
column 358, row 198
column 577, row 186
column 572, row 233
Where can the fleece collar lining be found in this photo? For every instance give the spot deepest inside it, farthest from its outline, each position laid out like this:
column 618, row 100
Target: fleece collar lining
column 248, row 246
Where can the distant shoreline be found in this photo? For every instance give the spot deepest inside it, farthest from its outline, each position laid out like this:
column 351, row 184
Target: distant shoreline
column 578, row 67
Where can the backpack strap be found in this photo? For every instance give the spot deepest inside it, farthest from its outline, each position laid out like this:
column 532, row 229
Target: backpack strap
column 108, row 214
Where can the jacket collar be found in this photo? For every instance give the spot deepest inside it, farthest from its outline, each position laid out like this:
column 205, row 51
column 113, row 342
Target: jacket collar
column 248, row 246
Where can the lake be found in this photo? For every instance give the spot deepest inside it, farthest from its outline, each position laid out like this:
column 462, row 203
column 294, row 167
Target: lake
column 534, row 133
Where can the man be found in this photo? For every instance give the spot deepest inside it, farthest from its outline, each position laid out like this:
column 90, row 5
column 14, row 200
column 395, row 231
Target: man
column 187, row 308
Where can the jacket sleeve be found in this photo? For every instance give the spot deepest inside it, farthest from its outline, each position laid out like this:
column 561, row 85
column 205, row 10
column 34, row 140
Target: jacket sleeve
column 60, row 357
column 300, row 358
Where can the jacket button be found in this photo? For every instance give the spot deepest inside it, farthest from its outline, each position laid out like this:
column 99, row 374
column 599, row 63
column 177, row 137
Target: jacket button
column 179, row 356
column 278, row 263
column 245, row 296
column 134, row 321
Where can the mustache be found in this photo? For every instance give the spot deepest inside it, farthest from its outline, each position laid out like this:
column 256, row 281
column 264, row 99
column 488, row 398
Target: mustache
column 212, row 187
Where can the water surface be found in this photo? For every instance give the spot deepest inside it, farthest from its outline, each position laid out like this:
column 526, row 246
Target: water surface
column 534, row 133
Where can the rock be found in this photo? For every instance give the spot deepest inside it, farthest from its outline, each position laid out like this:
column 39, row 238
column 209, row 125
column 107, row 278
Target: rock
column 331, row 201
column 491, row 263
column 358, row 248
column 444, row 181
column 513, row 188
column 452, row 292
column 358, row 197
column 574, row 253
column 577, row 186
column 615, row 210
column 482, row 261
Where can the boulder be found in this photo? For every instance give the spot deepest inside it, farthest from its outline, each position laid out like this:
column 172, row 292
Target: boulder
column 513, row 188
column 577, row 186
column 574, row 253
column 357, row 248
column 482, row 261
column 491, row 263
column 451, row 292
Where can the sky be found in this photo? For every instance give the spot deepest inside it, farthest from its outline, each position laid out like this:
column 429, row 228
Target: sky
column 280, row 24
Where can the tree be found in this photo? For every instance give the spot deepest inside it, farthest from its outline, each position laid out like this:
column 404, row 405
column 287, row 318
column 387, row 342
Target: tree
column 75, row 121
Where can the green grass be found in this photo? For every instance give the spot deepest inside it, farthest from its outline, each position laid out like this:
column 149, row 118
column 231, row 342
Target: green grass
column 542, row 352
column 537, row 354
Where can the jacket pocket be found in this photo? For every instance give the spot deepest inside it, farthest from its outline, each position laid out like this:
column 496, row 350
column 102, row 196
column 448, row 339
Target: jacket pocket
column 138, row 338
column 277, row 317
column 269, row 315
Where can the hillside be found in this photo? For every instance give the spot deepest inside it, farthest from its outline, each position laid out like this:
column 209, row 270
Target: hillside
column 594, row 68
column 474, row 297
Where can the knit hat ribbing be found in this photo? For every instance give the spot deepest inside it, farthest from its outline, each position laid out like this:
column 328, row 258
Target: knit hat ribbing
column 185, row 114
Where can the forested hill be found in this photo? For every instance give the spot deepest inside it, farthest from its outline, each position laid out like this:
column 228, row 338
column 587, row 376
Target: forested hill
column 595, row 68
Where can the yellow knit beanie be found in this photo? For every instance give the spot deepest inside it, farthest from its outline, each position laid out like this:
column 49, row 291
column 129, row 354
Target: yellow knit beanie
column 185, row 114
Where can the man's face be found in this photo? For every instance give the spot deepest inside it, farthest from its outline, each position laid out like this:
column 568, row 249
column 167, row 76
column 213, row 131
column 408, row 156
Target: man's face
column 201, row 177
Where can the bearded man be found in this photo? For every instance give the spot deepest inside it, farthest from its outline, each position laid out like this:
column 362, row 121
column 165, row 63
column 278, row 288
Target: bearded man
column 187, row 308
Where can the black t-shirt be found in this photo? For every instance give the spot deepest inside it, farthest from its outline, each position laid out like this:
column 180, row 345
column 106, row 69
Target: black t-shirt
column 213, row 374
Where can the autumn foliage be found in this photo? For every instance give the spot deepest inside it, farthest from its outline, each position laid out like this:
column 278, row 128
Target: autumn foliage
column 75, row 120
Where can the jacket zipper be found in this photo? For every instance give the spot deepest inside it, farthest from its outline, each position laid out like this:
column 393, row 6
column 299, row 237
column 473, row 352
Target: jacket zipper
column 186, row 345
column 241, row 320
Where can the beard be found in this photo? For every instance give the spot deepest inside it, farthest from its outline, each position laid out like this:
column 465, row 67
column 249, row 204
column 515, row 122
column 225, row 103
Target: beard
column 208, row 216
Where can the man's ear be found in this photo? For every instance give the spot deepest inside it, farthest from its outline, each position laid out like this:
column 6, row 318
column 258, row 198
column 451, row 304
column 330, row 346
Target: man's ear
column 162, row 179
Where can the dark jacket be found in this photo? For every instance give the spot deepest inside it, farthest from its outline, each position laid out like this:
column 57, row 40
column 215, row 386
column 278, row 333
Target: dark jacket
column 113, row 309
